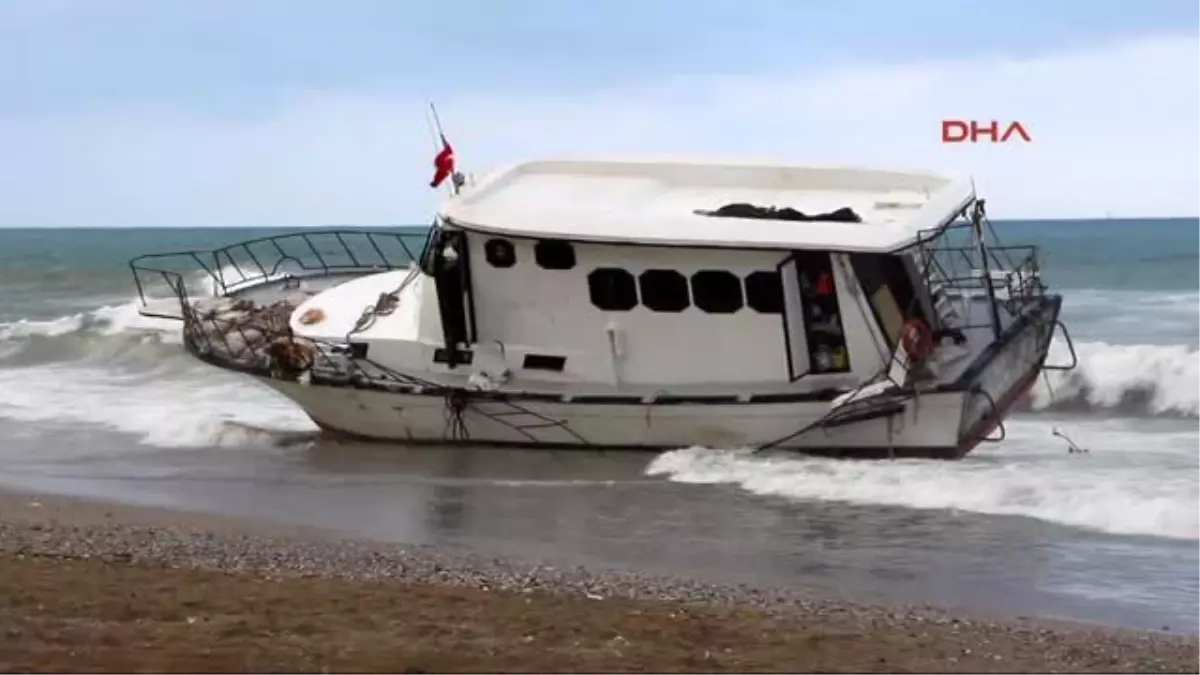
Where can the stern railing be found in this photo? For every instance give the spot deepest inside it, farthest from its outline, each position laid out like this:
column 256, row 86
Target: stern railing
column 297, row 255
column 232, row 328
column 1009, row 275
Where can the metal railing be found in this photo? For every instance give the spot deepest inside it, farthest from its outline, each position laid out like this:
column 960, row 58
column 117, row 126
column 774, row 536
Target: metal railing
column 1013, row 272
column 228, row 326
column 297, row 255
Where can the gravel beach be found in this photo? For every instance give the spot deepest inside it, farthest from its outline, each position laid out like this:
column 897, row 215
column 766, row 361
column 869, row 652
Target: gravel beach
column 94, row 587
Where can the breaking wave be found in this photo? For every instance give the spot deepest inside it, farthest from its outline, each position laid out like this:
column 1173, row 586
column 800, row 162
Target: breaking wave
column 1128, row 380
column 1127, row 484
column 114, row 368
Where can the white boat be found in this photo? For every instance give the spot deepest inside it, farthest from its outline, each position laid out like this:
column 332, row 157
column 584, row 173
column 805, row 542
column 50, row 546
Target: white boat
column 642, row 304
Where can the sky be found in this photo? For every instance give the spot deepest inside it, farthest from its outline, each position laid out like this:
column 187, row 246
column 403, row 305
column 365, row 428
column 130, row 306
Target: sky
column 305, row 112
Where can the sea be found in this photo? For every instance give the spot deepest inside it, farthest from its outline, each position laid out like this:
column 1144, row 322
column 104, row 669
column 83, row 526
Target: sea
column 98, row 401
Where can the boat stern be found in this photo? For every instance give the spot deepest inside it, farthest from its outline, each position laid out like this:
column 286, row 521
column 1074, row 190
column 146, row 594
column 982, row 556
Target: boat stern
column 1007, row 371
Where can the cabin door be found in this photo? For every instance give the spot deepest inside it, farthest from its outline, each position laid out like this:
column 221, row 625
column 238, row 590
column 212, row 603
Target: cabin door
column 451, row 270
column 887, row 281
column 812, row 318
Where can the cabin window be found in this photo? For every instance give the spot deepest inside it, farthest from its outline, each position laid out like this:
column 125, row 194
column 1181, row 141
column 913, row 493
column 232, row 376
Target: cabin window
column 499, row 253
column 612, row 289
column 717, row 291
column 554, row 254
column 664, row 290
column 764, row 292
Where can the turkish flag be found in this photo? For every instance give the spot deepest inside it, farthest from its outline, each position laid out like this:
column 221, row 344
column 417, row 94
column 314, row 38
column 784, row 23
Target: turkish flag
column 443, row 164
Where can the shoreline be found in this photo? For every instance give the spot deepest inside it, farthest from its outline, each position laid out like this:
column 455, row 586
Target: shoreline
column 140, row 562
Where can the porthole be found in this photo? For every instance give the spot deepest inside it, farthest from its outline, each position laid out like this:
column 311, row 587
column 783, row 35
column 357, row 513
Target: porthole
column 664, row 290
column 717, row 291
column 554, row 254
column 499, row 253
column 764, row 292
column 612, row 289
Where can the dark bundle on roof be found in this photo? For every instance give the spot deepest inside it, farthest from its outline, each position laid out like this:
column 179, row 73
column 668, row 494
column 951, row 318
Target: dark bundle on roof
column 742, row 210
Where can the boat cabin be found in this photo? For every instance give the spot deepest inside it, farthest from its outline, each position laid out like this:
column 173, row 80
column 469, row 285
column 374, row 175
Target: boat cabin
column 690, row 275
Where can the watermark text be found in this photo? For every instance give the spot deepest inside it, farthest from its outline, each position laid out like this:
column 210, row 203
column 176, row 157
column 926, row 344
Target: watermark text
column 989, row 131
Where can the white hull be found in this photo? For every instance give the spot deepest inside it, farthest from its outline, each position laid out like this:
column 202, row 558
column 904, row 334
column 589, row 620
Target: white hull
column 940, row 424
column 932, row 421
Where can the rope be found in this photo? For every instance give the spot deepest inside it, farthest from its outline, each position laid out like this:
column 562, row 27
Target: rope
column 832, row 413
column 384, row 305
column 456, row 401
column 1072, row 448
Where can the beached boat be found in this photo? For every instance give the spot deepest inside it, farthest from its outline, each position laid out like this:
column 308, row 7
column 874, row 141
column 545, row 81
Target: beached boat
column 642, row 304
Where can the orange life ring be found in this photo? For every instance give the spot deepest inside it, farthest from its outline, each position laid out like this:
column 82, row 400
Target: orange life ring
column 916, row 338
column 314, row 315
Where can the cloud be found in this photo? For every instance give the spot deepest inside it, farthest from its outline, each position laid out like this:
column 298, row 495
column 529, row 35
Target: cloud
column 1114, row 131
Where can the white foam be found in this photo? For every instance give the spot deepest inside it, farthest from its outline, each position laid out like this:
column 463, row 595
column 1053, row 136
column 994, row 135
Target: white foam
column 1131, row 482
column 164, row 409
column 107, row 320
column 114, row 319
column 1168, row 376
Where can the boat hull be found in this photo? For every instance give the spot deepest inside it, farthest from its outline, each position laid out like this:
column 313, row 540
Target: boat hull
column 945, row 423
column 927, row 427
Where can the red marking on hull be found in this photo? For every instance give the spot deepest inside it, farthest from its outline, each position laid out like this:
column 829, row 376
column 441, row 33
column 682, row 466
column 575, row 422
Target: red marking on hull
column 984, row 427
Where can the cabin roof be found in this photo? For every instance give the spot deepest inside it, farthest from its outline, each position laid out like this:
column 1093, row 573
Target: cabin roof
column 661, row 202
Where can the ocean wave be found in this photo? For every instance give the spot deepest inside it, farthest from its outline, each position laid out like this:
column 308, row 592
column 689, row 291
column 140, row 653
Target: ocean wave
column 116, row 334
column 114, row 368
column 1130, row 483
column 1126, row 380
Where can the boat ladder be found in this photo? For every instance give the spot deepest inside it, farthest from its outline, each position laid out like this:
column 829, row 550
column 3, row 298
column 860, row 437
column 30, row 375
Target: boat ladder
column 526, row 422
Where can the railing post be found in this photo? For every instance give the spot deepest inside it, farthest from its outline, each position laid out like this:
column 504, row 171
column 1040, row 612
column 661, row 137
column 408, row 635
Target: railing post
column 977, row 225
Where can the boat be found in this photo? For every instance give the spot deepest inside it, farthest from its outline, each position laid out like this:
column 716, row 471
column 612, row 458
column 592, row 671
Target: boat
column 651, row 304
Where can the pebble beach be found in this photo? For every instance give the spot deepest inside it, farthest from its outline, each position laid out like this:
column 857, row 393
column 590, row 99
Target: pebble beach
column 90, row 586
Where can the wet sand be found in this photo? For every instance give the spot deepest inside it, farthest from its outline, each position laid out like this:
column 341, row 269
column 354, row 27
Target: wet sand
column 90, row 586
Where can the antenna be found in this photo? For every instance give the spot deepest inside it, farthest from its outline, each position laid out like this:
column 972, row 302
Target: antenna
column 437, row 122
column 433, row 134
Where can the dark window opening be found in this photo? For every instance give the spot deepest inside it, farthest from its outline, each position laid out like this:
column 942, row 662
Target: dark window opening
column 544, row 362
column 764, row 292
column 664, row 290
column 451, row 273
column 499, row 253
column 463, row 356
column 825, row 336
column 717, row 291
column 554, row 254
column 612, row 289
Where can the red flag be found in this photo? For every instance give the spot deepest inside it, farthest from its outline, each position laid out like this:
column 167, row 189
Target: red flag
column 443, row 164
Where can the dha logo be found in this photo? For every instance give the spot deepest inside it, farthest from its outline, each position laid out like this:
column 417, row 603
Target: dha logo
column 969, row 131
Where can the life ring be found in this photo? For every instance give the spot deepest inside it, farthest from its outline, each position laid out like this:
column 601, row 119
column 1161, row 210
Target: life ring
column 916, row 338
column 313, row 315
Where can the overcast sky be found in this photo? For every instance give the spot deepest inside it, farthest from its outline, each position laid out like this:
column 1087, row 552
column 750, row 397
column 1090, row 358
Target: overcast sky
column 297, row 112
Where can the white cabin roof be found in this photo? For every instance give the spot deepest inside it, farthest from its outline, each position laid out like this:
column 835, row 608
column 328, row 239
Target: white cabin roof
column 656, row 202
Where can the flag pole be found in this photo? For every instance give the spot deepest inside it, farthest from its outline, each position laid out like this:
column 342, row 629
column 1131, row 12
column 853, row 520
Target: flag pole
column 437, row 121
column 433, row 135
column 441, row 135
